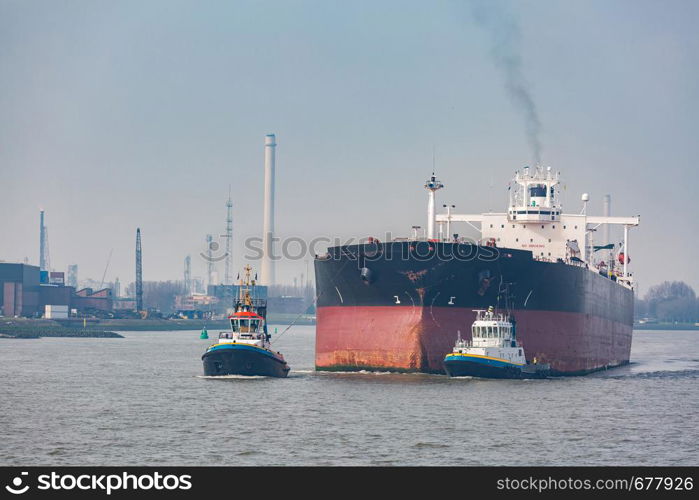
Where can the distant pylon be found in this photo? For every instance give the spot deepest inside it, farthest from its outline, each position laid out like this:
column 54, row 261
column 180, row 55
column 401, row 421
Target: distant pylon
column 139, row 272
column 209, row 261
column 188, row 275
column 229, row 238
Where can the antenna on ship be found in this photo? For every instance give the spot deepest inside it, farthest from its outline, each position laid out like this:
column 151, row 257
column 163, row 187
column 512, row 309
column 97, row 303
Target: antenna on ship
column 584, row 198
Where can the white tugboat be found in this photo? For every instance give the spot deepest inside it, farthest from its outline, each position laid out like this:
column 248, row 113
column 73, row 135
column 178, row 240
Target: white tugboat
column 493, row 352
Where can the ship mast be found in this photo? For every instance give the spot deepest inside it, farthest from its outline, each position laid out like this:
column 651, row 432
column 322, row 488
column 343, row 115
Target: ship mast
column 244, row 292
column 432, row 185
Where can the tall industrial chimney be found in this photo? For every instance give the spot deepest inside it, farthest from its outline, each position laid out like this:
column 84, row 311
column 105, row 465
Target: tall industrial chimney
column 267, row 274
column 42, row 242
column 139, row 272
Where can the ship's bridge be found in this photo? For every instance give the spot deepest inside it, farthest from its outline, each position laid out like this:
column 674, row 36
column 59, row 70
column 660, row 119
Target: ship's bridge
column 491, row 329
column 535, row 221
column 534, row 197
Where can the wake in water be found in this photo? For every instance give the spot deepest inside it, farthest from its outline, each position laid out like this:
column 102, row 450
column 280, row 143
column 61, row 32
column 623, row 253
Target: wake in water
column 689, row 373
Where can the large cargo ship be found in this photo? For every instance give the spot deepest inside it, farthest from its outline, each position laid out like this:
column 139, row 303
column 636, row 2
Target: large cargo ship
column 399, row 305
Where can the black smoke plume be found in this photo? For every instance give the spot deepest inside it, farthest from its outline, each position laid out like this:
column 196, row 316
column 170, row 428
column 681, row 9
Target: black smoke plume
column 505, row 51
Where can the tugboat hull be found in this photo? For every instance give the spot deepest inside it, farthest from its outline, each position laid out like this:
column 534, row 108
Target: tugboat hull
column 243, row 360
column 467, row 366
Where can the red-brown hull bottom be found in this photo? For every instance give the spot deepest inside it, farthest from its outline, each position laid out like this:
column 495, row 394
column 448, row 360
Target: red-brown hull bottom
column 417, row 339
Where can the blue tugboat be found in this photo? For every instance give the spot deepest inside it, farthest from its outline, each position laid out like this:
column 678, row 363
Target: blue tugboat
column 246, row 349
column 493, row 351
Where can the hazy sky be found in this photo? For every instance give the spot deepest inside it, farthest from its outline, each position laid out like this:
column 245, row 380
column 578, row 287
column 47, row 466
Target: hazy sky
column 115, row 115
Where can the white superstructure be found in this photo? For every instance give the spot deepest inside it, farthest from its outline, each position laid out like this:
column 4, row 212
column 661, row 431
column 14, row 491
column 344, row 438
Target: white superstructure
column 247, row 324
column 246, row 328
column 535, row 221
column 492, row 337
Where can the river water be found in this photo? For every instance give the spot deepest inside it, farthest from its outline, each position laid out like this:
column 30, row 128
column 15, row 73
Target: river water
column 142, row 400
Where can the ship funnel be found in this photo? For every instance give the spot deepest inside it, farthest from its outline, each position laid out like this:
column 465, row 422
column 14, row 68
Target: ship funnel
column 606, row 211
column 267, row 268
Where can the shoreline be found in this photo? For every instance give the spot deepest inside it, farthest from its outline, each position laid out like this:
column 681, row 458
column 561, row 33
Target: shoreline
column 107, row 328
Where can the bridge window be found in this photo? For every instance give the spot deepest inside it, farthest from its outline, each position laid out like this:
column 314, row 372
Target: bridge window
column 538, row 190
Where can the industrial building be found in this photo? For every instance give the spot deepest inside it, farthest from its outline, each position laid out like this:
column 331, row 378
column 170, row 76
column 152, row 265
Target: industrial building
column 90, row 300
column 22, row 293
column 19, row 289
column 218, row 300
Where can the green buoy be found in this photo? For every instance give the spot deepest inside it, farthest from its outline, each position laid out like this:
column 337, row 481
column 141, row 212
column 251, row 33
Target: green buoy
column 204, row 334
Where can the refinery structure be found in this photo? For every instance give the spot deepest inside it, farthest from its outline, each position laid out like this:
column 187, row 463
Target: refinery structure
column 39, row 291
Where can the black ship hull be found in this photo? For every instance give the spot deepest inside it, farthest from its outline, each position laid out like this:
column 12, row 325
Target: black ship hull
column 243, row 360
column 398, row 306
column 465, row 368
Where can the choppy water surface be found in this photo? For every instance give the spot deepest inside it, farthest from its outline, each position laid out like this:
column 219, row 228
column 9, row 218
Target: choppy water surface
column 142, row 400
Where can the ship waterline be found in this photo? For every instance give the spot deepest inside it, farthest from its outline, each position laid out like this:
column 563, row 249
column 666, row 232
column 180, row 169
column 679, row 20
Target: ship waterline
column 416, row 339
